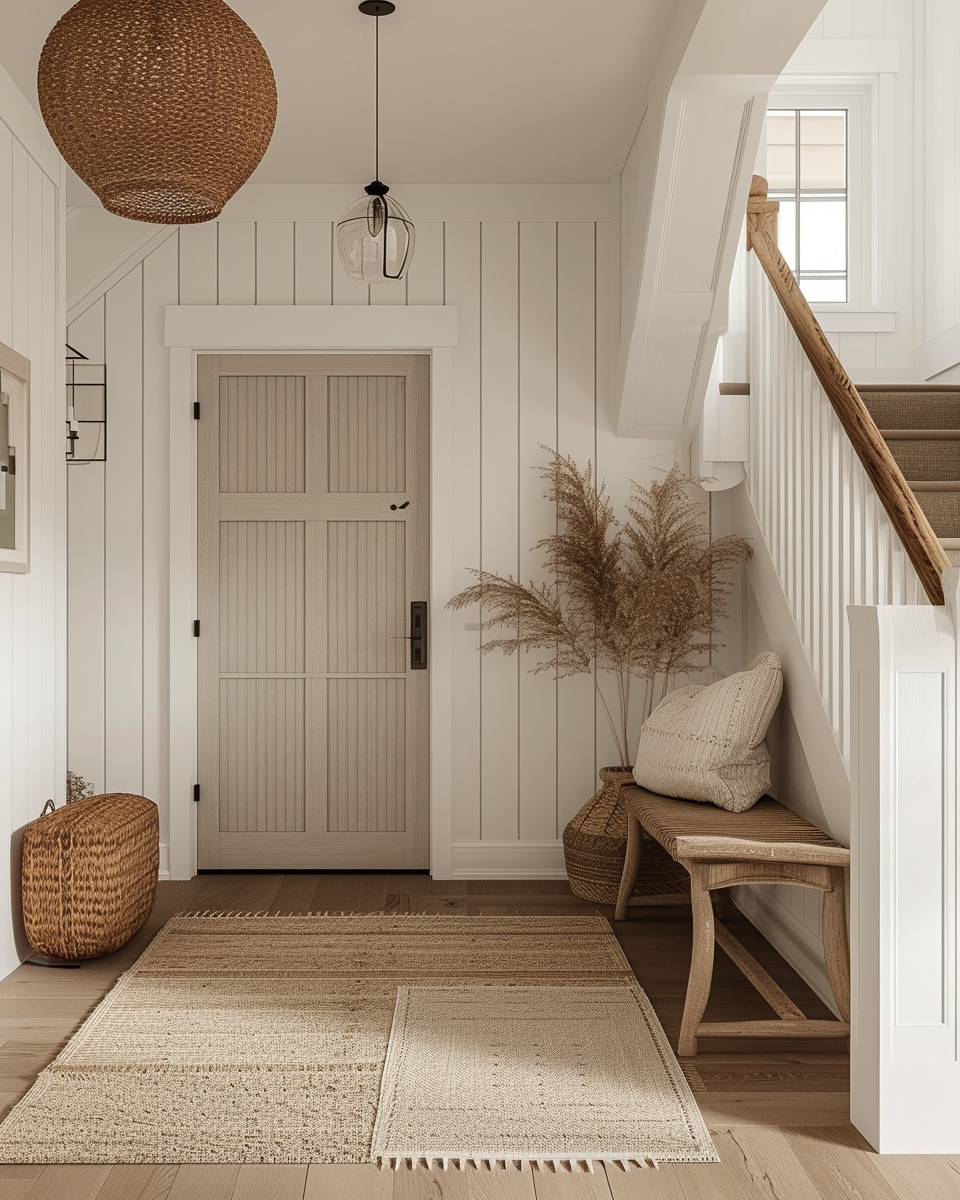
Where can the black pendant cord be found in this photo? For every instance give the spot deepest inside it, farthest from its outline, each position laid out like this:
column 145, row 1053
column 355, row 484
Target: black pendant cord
column 376, row 119
column 377, row 8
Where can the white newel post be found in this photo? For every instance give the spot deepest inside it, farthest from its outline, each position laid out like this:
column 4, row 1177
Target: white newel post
column 905, row 1073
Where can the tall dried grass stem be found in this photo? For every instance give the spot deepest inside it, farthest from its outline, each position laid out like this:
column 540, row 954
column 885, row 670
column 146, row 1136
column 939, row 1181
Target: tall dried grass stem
column 639, row 599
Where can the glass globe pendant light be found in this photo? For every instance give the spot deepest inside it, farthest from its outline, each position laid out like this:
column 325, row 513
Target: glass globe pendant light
column 375, row 237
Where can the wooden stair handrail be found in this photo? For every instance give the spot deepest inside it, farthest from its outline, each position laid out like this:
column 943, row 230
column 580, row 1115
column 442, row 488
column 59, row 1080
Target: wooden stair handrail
column 907, row 517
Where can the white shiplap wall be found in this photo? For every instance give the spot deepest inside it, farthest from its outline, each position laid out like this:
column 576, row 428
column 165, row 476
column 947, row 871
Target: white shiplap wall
column 533, row 299
column 32, row 609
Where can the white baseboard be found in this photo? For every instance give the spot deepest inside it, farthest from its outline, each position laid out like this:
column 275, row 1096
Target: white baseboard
column 788, row 935
column 508, row 860
column 164, row 872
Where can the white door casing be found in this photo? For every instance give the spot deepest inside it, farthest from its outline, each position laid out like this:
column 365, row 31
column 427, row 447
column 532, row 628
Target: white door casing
column 192, row 330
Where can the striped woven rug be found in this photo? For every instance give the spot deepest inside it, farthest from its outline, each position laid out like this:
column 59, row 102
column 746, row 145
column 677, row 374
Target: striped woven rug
column 262, row 1039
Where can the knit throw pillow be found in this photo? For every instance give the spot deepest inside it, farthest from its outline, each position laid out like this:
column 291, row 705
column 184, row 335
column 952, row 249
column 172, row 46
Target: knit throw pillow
column 706, row 743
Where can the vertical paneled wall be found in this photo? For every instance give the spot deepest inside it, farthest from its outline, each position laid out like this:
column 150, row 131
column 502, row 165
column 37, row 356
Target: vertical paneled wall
column 32, row 645
column 938, row 104
column 529, row 370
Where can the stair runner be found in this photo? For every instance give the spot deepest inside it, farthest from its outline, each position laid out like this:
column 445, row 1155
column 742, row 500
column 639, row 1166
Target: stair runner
column 922, row 428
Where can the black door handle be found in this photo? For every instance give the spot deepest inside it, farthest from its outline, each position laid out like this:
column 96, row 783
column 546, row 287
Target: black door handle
column 417, row 637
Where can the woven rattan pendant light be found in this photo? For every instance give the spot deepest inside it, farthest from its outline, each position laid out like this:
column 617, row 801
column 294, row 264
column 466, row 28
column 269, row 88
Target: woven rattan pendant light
column 163, row 107
column 375, row 237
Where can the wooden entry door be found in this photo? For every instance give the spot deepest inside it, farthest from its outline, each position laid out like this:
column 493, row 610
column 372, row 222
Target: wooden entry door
column 313, row 531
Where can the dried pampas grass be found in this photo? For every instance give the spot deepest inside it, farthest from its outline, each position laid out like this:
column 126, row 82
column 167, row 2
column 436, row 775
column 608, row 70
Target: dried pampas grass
column 640, row 599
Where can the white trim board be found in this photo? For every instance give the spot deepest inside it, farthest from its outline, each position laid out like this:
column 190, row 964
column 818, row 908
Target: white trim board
column 508, row 860
column 856, row 320
column 193, row 330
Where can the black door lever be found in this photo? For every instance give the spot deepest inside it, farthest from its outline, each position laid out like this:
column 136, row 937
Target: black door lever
column 417, row 637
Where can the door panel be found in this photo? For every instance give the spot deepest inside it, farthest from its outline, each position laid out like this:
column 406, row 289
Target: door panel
column 313, row 541
column 262, row 430
column 365, row 755
column 262, row 755
column 366, row 591
column 262, row 596
column 367, row 434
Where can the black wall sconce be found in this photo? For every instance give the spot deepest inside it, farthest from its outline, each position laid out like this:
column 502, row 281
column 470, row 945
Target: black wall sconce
column 86, row 409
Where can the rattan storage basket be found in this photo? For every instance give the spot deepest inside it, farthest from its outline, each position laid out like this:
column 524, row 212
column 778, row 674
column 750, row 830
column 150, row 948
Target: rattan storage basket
column 595, row 845
column 89, row 875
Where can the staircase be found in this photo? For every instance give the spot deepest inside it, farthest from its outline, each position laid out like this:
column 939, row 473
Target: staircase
column 922, row 428
column 855, row 586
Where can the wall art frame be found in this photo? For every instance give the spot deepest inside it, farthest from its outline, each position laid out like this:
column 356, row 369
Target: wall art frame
column 14, row 461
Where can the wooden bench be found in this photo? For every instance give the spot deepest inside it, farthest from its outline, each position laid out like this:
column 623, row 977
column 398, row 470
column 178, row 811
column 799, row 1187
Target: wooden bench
column 766, row 844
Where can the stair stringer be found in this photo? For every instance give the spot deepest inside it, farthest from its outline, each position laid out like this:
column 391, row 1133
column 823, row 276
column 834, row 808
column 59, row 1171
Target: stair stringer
column 800, row 945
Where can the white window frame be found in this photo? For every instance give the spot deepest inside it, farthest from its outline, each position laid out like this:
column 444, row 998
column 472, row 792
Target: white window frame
column 858, row 95
column 798, row 197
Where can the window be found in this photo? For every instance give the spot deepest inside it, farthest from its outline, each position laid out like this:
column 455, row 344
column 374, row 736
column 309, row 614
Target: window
column 807, row 172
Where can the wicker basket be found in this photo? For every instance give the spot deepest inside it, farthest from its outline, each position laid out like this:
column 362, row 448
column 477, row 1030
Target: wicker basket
column 90, row 875
column 595, row 845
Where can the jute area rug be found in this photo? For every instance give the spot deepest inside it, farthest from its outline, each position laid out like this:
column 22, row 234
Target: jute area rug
column 257, row 1039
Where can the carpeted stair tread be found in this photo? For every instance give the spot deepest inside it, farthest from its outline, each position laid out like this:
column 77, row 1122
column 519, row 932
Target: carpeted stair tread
column 893, row 409
column 934, row 459
column 921, row 426
column 943, row 512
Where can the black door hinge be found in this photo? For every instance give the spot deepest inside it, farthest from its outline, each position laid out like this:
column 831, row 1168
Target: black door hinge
column 196, row 629
column 196, row 793
column 196, row 410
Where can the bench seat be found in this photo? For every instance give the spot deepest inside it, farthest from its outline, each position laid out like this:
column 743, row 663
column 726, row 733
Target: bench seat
column 766, row 844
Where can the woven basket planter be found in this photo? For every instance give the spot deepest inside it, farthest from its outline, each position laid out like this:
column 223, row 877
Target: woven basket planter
column 90, row 875
column 595, row 845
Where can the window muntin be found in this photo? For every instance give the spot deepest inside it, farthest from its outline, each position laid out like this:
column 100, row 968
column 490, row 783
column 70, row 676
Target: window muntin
column 807, row 172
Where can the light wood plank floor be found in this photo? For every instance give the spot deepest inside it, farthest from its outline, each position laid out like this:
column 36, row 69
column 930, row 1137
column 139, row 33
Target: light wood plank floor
column 777, row 1110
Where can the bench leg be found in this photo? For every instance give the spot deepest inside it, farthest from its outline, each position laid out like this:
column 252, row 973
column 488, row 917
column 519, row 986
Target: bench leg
column 701, row 962
column 836, row 949
column 631, row 867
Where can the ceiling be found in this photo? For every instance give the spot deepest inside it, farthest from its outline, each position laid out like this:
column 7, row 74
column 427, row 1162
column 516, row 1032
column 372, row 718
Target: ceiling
column 493, row 91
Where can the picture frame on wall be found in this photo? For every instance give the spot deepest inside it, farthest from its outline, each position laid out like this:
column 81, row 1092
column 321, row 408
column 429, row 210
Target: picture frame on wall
column 14, row 461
